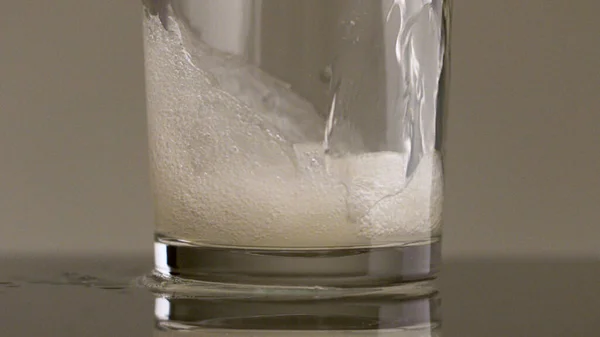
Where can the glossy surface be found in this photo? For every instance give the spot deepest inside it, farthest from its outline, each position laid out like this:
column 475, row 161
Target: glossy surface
column 93, row 297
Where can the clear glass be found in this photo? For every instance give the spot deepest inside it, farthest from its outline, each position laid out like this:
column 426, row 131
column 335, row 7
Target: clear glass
column 297, row 143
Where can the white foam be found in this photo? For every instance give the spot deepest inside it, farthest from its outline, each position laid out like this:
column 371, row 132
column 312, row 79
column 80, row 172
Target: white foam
column 237, row 160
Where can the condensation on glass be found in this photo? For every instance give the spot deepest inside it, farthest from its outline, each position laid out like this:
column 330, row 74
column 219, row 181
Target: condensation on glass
column 299, row 127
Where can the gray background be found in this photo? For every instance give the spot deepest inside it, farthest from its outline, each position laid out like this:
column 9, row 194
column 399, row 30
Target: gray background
column 522, row 163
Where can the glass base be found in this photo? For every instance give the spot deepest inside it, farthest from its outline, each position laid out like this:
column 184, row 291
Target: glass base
column 407, row 270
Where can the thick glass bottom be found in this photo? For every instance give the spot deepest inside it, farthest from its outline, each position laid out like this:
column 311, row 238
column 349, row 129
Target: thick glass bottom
column 407, row 270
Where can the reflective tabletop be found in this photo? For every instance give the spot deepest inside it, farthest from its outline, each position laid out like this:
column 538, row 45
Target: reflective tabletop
column 98, row 296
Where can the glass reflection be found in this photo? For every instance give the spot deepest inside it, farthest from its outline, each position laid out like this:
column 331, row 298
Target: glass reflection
column 370, row 316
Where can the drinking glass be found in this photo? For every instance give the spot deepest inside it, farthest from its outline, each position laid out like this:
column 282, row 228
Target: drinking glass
column 296, row 145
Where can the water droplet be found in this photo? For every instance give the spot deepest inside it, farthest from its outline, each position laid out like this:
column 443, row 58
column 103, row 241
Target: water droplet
column 8, row 284
column 326, row 74
column 112, row 287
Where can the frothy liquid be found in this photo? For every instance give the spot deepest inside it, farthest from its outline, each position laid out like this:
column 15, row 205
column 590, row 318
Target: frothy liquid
column 238, row 160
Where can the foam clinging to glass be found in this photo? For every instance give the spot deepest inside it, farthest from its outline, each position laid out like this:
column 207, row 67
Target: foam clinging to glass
column 237, row 160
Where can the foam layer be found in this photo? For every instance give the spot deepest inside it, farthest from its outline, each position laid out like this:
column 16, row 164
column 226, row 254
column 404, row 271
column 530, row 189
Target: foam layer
column 237, row 160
